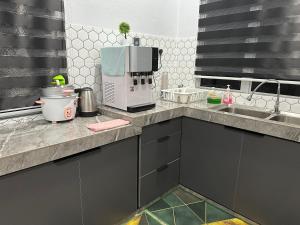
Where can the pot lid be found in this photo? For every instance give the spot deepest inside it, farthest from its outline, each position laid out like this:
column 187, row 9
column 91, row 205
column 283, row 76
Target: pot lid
column 60, row 96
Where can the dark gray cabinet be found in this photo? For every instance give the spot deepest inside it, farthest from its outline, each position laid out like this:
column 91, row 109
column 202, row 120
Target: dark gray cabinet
column 159, row 182
column 159, row 159
column 95, row 187
column 44, row 195
column 269, row 184
column 109, row 182
column 209, row 159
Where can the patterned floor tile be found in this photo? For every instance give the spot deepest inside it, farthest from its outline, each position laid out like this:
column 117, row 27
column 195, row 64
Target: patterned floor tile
column 182, row 207
column 172, row 200
column 186, row 197
column 184, row 216
column 158, row 205
column 214, row 214
column 167, row 216
column 199, row 209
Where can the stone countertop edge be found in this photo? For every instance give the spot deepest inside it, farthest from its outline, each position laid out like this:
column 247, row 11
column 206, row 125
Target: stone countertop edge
column 202, row 112
column 24, row 160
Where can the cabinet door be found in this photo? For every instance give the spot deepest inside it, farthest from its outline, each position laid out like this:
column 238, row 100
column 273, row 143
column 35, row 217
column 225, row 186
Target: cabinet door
column 209, row 159
column 109, row 182
column 269, row 184
column 43, row 195
column 159, row 182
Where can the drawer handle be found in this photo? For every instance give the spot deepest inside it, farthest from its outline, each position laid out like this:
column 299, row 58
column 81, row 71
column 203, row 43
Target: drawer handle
column 162, row 168
column 163, row 139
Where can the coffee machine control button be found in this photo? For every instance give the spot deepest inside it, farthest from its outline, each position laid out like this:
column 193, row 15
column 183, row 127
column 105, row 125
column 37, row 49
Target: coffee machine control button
column 135, row 82
column 143, row 81
column 150, row 80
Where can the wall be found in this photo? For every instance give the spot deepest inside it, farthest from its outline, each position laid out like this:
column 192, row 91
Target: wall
column 188, row 14
column 156, row 17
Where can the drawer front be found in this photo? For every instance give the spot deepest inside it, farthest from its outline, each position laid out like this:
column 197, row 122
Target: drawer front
column 157, row 183
column 161, row 129
column 159, row 152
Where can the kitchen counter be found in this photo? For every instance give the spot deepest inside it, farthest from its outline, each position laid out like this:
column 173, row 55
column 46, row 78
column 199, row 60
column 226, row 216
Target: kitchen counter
column 40, row 142
column 202, row 111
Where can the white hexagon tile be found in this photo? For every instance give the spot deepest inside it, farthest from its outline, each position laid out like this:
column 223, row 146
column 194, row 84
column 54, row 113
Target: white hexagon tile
column 83, row 50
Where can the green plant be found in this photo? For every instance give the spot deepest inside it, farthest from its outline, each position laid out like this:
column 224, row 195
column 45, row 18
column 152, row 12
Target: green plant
column 124, row 28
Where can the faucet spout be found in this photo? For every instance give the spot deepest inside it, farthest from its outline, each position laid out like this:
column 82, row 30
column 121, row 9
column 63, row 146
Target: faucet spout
column 277, row 103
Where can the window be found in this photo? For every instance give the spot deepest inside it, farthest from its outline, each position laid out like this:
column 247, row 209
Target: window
column 32, row 50
column 250, row 39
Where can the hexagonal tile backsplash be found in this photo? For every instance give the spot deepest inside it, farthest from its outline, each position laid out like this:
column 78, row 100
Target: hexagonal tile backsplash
column 83, row 50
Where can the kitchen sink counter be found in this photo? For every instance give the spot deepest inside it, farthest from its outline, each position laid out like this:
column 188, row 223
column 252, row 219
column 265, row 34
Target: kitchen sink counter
column 202, row 111
column 39, row 142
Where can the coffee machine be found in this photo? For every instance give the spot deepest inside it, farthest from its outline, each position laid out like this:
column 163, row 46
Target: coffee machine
column 127, row 77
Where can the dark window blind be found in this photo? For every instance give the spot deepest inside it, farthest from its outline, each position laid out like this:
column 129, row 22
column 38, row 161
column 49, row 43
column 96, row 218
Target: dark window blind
column 32, row 49
column 249, row 38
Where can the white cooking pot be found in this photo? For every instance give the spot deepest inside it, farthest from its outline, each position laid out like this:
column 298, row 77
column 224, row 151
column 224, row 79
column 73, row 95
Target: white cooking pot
column 59, row 108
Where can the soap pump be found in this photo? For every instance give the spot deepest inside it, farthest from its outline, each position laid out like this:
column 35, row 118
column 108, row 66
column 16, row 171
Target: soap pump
column 228, row 98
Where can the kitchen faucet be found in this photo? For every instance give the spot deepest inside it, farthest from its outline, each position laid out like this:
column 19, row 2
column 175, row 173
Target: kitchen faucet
column 276, row 107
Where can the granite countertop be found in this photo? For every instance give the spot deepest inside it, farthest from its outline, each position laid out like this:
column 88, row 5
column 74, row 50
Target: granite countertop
column 206, row 112
column 39, row 142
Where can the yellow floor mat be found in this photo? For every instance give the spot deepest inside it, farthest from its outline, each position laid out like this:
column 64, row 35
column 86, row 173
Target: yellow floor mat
column 135, row 221
column 234, row 221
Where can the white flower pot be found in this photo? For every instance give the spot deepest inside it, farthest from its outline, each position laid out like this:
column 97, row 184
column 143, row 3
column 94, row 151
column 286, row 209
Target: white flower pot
column 125, row 42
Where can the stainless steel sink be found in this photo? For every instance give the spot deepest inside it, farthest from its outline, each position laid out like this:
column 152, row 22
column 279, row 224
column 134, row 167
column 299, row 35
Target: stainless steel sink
column 246, row 112
column 286, row 119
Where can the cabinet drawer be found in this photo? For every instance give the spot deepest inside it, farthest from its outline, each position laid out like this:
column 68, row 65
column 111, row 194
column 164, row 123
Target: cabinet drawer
column 161, row 129
column 157, row 183
column 159, row 152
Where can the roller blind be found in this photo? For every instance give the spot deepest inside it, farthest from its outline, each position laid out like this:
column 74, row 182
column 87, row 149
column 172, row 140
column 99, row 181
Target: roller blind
column 32, row 49
column 249, row 38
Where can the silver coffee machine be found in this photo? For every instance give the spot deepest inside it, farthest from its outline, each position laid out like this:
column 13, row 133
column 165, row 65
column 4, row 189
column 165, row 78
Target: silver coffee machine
column 127, row 77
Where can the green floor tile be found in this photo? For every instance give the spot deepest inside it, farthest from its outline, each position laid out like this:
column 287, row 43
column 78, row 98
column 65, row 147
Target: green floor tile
column 172, row 200
column 144, row 220
column 185, row 216
column 214, row 214
column 152, row 221
column 158, row 205
column 199, row 209
column 182, row 208
column 166, row 216
column 186, row 197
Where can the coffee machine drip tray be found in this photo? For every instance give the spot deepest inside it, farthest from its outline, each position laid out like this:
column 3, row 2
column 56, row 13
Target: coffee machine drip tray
column 140, row 108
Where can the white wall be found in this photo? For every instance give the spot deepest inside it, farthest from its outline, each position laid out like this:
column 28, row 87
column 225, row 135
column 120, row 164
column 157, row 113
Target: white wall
column 188, row 14
column 158, row 17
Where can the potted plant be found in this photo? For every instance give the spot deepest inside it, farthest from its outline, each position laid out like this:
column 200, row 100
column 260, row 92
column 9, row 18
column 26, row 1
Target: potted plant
column 124, row 28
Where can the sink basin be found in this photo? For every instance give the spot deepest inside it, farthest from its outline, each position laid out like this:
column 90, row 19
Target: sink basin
column 286, row 119
column 246, row 112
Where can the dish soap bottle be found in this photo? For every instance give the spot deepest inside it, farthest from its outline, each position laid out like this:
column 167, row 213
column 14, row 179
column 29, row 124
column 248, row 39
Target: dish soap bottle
column 227, row 98
column 213, row 97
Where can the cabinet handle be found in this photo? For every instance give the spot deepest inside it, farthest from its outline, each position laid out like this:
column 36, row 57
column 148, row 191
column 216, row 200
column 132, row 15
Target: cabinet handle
column 162, row 168
column 163, row 139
